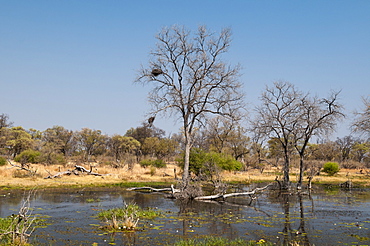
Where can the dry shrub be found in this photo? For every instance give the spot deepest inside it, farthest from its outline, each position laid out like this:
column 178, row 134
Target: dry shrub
column 352, row 165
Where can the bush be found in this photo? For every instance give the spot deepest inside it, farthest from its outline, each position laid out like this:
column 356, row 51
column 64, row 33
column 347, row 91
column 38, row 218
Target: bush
column 155, row 163
column 331, row 168
column 2, row 161
column 199, row 159
column 28, row 156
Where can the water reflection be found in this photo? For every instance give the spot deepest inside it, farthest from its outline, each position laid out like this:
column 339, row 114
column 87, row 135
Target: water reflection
column 325, row 217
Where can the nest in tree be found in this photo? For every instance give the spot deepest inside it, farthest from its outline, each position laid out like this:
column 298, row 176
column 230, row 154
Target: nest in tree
column 156, row 72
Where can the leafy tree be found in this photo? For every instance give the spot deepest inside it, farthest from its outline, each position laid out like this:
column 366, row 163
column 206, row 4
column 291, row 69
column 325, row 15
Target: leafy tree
column 59, row 139
column 145, row 131
column 360, row 150
column 18, row 140
column 190, row 80
column 91, row 142
column 159, row 148
column 325, row 151
column 122, row 145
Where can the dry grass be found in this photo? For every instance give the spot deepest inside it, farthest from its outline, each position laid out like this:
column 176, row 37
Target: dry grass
column 12, row 177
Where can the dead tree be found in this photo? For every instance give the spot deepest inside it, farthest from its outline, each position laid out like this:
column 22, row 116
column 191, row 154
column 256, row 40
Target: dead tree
column 191, row 80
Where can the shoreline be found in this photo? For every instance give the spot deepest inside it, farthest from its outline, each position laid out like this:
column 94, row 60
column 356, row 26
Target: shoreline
column 13, row 178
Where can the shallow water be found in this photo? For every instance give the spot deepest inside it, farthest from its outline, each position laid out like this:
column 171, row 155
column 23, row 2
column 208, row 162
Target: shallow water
column 327, row 217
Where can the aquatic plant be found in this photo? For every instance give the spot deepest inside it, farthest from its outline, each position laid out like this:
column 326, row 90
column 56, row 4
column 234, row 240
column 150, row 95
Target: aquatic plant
column 215, row 241
column 126, row 218
column 16, row 229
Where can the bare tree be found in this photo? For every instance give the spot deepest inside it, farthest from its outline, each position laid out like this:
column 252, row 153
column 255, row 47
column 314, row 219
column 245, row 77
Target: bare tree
column 190, row 79
column 292, row 118
column 4, row 121
column 277, row 118
column 361, row 124
column 317, row 117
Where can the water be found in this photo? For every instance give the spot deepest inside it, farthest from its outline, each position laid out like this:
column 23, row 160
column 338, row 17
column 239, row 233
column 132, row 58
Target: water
column 326, row 217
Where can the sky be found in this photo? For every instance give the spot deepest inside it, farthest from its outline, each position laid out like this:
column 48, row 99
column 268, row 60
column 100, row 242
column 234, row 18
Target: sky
column 74, row 63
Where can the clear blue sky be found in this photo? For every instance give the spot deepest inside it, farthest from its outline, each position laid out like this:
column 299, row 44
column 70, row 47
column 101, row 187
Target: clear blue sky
column 73, row 63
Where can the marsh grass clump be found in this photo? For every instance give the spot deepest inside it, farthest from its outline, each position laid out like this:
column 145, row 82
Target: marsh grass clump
column 126, row 218
column 16, row 229
column 216, row 241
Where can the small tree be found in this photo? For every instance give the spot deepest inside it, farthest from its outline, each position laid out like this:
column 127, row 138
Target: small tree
column 189, row 79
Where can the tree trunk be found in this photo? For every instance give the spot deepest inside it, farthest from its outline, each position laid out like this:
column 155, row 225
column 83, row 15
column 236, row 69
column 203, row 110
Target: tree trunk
column 300, row 179
column 286, row 182
column 185, row 175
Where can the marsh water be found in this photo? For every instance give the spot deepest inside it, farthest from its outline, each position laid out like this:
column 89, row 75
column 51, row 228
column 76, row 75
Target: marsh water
column 329, row 216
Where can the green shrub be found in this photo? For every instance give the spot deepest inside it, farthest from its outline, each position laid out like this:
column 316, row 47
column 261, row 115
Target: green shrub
column 155, row 163
column 28, row 156
column 2, row 161
column 331, row 168
column 159, row 163
column 200, row 159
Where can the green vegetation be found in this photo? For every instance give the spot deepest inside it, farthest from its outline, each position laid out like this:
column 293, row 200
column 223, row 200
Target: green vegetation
column 2, row 161
column 158, row 163
column 201, row 161
column 216, row 241
column 28, row 156
column 331, row 168
column 126, row 218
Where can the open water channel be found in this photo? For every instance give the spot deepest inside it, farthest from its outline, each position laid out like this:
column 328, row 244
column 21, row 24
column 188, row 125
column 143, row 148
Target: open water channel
column 329, row 216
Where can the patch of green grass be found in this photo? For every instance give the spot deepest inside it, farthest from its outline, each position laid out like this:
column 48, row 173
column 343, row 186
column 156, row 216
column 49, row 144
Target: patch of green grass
column 92, row 200
column 216, row 241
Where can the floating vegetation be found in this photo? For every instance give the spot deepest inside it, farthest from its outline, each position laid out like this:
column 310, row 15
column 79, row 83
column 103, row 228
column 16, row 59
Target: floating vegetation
column 126, row 218
column 215, row 241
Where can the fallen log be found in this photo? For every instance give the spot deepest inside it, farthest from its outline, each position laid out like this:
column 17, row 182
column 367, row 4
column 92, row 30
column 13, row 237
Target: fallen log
column 224, row 196
column 90, row 172
column 150, row 189
column 172, row 189
column 211, row 197
column 32, row 172
column 59, row 175
column 78, row 169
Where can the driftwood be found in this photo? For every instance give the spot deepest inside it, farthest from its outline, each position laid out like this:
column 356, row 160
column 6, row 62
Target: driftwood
column 90, row 172
column 78, row 169
column 59, row 175
column 23, row 167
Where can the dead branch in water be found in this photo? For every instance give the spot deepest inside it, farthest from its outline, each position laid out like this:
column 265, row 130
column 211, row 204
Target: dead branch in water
column 224, row 196
column 204, row 198
column 151, row 189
